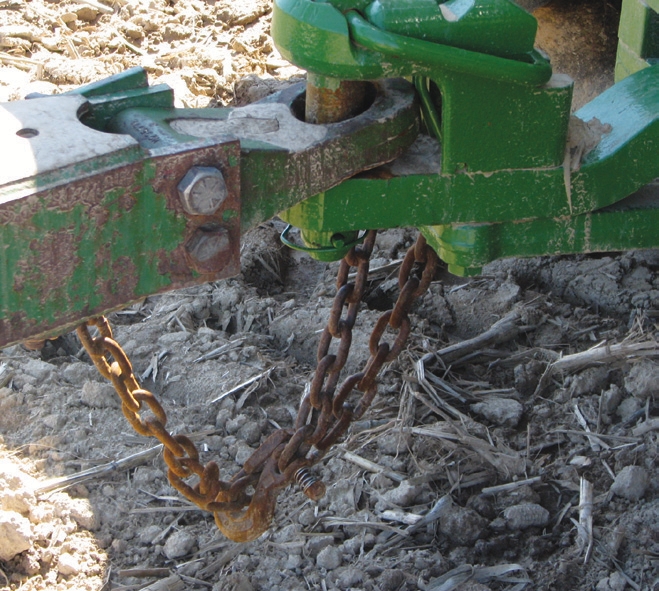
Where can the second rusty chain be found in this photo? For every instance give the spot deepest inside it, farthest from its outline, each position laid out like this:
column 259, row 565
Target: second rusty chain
column 325, row 413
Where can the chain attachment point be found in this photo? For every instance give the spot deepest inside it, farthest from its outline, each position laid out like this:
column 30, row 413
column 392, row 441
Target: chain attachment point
column 323, row 418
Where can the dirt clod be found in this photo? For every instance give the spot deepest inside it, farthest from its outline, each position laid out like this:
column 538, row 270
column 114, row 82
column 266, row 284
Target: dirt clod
column 505, row 412
column 329, row 558
column 614, row 582
column 403, row 495
column 68, row 564
column 526, row 515
column 391, row 579
column 630, row 483
column 179, row 544
column 462, row 525
column 234, row 582
column 15, row 534
column 642, row 379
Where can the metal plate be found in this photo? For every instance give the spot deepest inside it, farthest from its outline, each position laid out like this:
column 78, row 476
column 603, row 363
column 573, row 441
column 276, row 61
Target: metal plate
column 94, row 244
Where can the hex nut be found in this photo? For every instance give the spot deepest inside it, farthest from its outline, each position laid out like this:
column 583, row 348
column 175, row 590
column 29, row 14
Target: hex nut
column 208, row 249
column 202, row 190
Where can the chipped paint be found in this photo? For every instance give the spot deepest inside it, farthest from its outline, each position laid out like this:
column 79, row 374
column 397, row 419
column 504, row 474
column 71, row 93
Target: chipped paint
column 98, row 242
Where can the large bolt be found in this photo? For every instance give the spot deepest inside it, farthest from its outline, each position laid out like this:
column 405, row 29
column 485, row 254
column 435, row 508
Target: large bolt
column 204, row 246
column 209, row 249
column 202, row 190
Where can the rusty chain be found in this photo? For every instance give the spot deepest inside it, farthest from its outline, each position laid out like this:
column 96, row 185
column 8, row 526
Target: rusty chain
column 244, row 506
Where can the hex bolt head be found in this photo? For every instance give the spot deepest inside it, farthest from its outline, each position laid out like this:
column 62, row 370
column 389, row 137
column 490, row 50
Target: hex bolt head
column 202, row 190
column 206, row 244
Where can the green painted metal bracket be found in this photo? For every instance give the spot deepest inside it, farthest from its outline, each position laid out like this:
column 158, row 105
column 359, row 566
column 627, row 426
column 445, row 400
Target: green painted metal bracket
column 638, row 37
column 91, row 221
column 109, row 194
column 415, row 192
column 488, row 102
column 630, row 224
column 506, row 169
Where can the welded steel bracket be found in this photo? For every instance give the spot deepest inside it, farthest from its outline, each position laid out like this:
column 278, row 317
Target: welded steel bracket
column 503, row 168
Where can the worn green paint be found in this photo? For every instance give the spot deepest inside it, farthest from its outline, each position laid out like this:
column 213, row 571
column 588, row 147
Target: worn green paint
column 93, row 235
column 16, row 262
column 55, row 178
column 139, row 235
column 290, row 175
column 263, row 195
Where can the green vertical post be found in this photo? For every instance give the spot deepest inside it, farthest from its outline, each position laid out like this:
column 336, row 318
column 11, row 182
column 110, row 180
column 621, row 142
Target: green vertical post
column 638, row 37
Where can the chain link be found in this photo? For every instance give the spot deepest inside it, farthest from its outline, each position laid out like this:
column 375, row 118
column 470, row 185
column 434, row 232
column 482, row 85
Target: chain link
column 244, row 506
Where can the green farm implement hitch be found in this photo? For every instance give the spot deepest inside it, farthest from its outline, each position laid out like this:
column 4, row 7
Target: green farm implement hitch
column 503, row 169
column 428, row 113
column 109, row 194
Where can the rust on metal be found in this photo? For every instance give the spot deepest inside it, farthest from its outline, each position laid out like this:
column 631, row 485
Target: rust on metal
column 325, row 413
column 209, row 248
column 100, row 242
column 334, row 101
column 312, row 487
column 111, row 218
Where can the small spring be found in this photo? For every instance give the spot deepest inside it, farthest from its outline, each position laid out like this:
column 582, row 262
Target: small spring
column 310, row 485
